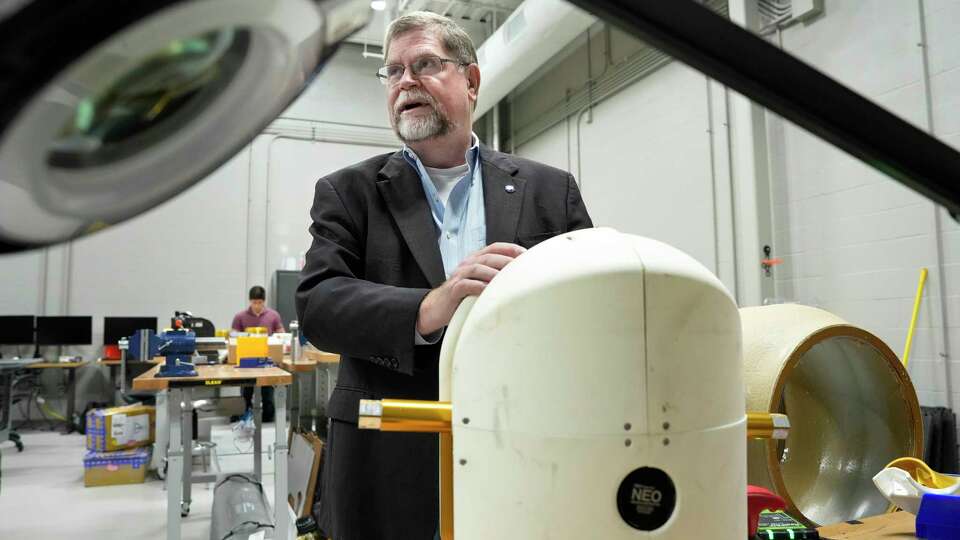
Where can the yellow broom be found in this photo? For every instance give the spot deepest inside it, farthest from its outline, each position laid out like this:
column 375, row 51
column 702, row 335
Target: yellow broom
column 916, row 313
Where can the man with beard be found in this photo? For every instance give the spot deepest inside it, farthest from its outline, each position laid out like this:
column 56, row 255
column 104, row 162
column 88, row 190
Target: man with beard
column 398, row 241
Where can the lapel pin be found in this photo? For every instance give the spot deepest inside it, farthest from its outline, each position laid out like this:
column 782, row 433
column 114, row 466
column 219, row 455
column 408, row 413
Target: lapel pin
column 509, row 188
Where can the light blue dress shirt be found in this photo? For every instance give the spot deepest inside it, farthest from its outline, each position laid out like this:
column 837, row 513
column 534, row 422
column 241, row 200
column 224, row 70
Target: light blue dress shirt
column 461, row 223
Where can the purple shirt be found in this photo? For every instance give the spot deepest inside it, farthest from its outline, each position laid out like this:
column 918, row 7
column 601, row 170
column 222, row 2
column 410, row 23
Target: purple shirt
column 268, row 319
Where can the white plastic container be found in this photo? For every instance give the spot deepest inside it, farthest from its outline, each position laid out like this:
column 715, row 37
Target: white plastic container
column 597, row 392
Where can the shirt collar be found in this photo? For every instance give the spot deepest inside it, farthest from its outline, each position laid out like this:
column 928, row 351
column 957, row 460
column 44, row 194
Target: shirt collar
column 471, row 156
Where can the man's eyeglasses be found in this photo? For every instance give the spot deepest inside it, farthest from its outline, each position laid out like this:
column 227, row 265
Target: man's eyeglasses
column 425, row 65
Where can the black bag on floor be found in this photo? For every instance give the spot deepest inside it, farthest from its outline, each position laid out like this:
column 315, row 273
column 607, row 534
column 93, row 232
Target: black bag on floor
column 240, row 508
column 940, row 439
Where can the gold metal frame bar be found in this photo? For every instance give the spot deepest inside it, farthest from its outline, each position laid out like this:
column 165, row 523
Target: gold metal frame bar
column 406, row 415
column 418, row 417
column 767, row 426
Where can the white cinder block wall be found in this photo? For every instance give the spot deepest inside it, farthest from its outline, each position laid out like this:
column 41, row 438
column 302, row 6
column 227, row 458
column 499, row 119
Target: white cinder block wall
column 852, row 240
column 660, row 153
column 642, row 157
column 203, row 250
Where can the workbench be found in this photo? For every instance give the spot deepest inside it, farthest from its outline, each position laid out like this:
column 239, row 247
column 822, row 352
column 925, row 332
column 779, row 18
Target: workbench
column 312, row 362
column 898, row 525
column 179, row 474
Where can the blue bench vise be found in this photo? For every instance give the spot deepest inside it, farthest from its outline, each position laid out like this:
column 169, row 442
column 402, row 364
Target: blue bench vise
column 176, row 346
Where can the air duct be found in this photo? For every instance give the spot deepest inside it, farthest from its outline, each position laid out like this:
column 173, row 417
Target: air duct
column 533, row 34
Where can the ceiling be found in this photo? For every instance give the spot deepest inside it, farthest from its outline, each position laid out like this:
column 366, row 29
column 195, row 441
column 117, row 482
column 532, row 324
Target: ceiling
column 474, row 10
column 477, row 17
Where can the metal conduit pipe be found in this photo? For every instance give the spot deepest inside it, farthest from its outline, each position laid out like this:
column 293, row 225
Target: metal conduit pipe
column 625, row 73
column 621, row 75
column 942, row 314
column 713, row 179
column 733, row 195
column 603, row 89
column 310, row 136
column 304, row 129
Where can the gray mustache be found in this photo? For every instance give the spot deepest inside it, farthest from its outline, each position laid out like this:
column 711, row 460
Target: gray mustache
column 407, row 97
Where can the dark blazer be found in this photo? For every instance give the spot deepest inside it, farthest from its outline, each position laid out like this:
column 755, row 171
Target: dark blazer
column 374, row 257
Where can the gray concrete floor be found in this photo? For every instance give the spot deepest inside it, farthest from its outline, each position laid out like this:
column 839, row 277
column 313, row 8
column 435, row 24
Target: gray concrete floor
column 42, row 493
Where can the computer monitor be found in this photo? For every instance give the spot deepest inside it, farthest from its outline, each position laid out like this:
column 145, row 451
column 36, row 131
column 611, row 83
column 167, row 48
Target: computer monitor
column 16, row 330
column 64, row 331
column 117, row 328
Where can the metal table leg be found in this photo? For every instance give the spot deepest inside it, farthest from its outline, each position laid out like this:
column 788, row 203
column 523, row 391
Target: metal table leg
column 331, row 382
column 114, row 384
column 6, row 418
column 174, row 464
column 280, row 464
column 71, row 398
column 123, row 376
column 186, row 420
column 330, row 370
column 257, row 434
column 163, row 435
column 315, row 408
column 295, row 401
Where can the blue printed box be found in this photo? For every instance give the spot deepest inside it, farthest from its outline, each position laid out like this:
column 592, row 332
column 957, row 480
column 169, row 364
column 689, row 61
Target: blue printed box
column 115, row 468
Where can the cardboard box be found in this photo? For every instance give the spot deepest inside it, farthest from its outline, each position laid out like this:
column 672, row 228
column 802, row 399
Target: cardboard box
column 275, row 352
column 252, row 347
column 120, row 428
column 115, row 468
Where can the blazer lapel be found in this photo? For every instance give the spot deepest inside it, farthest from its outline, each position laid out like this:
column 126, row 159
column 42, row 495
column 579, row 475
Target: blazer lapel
column 502, row 196
column 402, row 191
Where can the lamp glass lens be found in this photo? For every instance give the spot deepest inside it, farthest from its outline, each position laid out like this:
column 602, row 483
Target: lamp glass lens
column 149, row 101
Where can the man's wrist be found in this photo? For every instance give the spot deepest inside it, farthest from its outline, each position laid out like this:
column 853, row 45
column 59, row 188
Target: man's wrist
column 424, row 325
column 429, row 339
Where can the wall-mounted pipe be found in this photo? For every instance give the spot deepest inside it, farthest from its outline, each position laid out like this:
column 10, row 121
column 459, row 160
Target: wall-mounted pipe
column 942, row 324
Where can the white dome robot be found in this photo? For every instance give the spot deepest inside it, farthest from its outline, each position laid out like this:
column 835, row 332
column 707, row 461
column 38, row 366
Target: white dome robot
column 594, row 390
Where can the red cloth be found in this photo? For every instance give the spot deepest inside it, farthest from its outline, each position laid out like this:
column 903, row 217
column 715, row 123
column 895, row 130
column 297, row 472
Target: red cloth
column 758, row 500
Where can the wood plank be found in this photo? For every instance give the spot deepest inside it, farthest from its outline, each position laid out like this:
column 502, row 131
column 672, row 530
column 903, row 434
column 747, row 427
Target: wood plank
column 116, row 361
column 56, row 365
column 322, row 357
column 224, row 373
column 304, row 465
column 303, row 366
column 887, row 526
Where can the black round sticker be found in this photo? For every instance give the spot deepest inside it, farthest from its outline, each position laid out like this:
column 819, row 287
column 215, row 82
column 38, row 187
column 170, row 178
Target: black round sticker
column 646, row 498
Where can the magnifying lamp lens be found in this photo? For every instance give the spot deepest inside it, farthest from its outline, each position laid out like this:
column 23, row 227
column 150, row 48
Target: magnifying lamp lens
column 150, row 101
column 102, row 120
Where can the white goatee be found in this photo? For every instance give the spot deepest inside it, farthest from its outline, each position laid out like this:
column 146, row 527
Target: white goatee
column 421, row 128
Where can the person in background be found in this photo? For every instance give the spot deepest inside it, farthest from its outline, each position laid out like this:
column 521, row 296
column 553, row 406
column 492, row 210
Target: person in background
column 258, row 315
